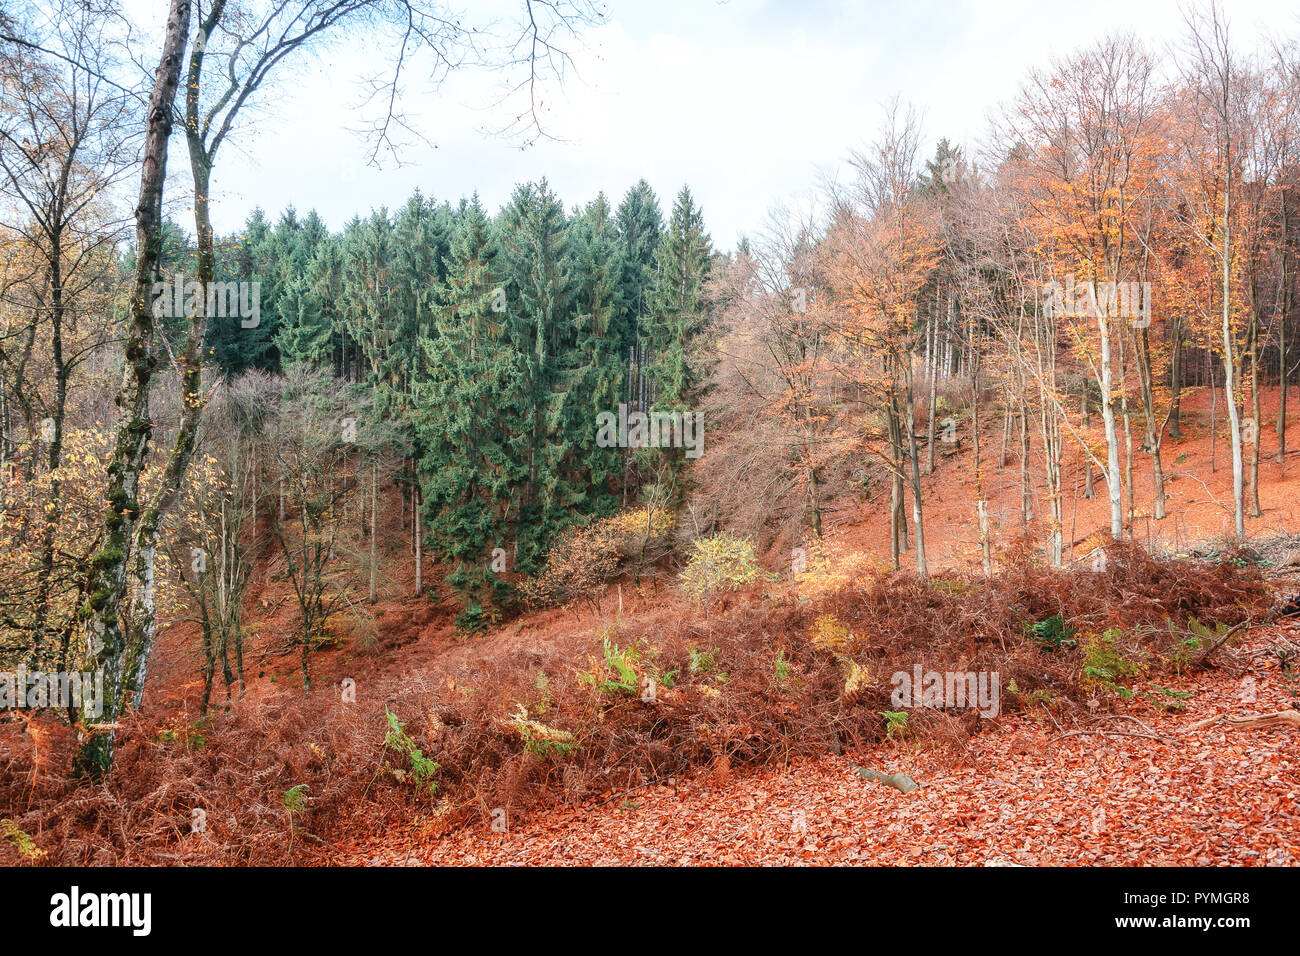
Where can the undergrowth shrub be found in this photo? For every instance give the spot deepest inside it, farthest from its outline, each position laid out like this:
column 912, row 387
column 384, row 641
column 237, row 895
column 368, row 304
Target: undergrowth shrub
column 1105, row 667
column 578, row 568
column 420, row 771
column 770, row 679
column 824, row 571
column 618, row 676
column 722, row 562
column 1052, row 632
column 539, row 738
column 21, row 841
column 585, row 560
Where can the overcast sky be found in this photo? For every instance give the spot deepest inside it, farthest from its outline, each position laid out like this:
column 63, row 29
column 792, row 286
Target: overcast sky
column 747, row 101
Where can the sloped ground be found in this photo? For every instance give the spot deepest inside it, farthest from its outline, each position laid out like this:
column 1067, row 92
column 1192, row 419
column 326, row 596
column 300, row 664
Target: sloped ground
column 412, row 635
column 1198, row 490
column 1016, row 793
column 1022, row 794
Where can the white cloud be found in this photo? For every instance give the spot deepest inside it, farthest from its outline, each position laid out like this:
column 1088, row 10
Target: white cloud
column 743, row 101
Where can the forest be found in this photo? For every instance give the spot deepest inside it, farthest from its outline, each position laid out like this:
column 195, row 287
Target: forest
column 456, row 522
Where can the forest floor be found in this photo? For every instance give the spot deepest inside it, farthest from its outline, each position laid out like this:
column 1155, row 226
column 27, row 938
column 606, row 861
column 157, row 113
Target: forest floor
column 1137, row 787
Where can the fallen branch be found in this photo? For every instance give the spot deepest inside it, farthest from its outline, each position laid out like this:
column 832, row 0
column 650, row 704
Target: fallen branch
column 1201, row 658
column 1132, row 718
column 1280, row 718
column 1112, row 733
column 1202, row 724
column 631, row 790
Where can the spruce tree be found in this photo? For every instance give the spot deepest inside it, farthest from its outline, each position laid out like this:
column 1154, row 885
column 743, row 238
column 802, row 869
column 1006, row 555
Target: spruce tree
column 640, row 229
column 598, row 369
column 471, row 417
column 533, row 234
column 678, row 304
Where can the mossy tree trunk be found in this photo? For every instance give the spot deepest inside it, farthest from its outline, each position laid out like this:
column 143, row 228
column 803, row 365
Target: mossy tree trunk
column 104, row 612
